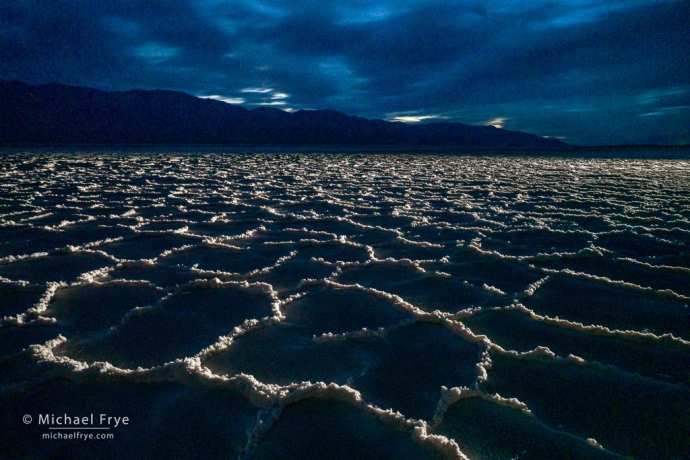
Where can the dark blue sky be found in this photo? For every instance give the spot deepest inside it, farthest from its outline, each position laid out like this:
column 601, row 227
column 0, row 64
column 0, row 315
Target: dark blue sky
column 589, row 71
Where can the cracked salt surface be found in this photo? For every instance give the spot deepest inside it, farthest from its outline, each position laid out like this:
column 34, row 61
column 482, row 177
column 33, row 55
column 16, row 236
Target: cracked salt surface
column 346, row 306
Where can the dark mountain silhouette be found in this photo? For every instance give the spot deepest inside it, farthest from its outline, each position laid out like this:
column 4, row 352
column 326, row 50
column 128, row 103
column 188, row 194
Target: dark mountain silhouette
column 58, row 114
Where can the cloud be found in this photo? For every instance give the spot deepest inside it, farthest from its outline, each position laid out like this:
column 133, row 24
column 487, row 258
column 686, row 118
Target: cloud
column 229, row 100
column 269, row 103
column 497, row 122
column 413, row 118
column 257, row 90
column 575, row 68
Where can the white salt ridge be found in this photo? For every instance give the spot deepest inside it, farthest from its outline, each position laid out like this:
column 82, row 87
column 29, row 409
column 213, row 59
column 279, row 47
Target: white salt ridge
column 532, row 288
column 13, row 214
column 69, row 249
column 483, row 366
column 619, row 283
column 367, row 227
column 267, row 270
column 596, row 329
column 224, row 342
column 591, row 251
column 455, row 394
column 437, row 274
column 253, row 273
column 381, row 332
column 333, row 236
column 10, row 259
column 671, row 268
column 21, row 283
column 373, row 260
column 68, row 223
column 256, row 287
column 39, row 216
column 213, row 273
column 446, row 446
column 593, row 442
column 33, row 314
column 90, row 277
column 395, row 300
column 421, row 244
column 493, row 290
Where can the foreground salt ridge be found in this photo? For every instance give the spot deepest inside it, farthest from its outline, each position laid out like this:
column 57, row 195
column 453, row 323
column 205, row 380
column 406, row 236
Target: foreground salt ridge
column 271, row 398
column 420, row 428
column 191, row 369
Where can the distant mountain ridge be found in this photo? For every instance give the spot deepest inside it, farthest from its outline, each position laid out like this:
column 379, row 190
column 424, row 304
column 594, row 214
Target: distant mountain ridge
column 59, row 114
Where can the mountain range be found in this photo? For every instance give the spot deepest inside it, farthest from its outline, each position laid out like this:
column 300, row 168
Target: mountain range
column 58, row 114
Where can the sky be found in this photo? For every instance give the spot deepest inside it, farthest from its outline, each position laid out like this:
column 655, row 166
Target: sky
column 589, row 72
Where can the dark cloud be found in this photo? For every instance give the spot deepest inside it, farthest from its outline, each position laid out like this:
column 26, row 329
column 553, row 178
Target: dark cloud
column 593, row 71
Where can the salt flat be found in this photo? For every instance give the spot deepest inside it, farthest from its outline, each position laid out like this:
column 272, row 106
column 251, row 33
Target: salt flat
column 274, row 305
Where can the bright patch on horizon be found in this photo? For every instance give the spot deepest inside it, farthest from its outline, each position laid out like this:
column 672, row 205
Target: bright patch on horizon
column 497, row 122
column 229, row 100
column 413, row 119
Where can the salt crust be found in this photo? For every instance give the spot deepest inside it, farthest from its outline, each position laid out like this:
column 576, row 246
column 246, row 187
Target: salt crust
column 271, row 398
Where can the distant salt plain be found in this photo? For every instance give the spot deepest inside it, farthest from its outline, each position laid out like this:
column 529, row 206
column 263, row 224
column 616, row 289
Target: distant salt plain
column 275, row 305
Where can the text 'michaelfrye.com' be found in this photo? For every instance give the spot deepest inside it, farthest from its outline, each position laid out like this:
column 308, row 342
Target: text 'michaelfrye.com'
column 64, row 426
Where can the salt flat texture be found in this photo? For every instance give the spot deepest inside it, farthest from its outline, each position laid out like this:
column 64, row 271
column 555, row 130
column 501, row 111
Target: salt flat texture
column 346, row 305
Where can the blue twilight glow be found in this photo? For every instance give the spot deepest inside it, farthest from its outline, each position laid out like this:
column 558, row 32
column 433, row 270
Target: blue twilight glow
column 590, row 71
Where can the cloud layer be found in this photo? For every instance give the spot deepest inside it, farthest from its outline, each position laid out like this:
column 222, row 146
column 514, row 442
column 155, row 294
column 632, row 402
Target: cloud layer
column 590, row 71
